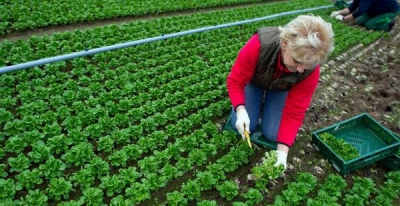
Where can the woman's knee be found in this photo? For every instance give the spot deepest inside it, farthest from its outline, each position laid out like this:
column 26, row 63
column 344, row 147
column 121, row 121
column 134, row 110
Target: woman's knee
column 270, row 134
column 362, row 20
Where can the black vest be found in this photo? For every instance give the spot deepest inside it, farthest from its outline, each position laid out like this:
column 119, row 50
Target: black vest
column 267, row 61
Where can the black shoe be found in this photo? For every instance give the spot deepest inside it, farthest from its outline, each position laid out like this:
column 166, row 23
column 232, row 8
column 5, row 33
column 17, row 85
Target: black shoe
column 391, row 24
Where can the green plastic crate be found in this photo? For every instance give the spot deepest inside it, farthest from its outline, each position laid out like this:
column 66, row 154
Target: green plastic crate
column 255, row 137
column 373, row 141
column 392, row 162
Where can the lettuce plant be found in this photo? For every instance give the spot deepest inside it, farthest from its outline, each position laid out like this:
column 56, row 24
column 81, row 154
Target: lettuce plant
column 334, row 185
column 229, row 163
column 266, row 171
column 330, row 191
column 98, row 166
column 113, row 184
column 33, row 136
column 14, row 127
column 84, row 178
column 241, row 155
column 191, row 189
column 389, row 190
column 105, row 144
column 154, row 181
column 121, row 136
column 228, row 189
column 129, row 175
column 173, row 151
column 118, row 158
column 35, row 197
column 323, row 198
column 297, row 190
column 79, row 154
column 30, row 121
column 206, row 179
column 76, row 135
column 209, row 148
column 133, row 151
column 52, row 129
column 169, row 171
column 162, row 156
column 59, row 188
column 118, row 200
column 93, row 196
column 19, row 163
column 39, row 152
column 58, row 144
column 7, row 188
column 360, row 192
column 5, row 116
column 52, row 167
column 176, row 198
column 148, row 164
column 137, row 192
column 217, row 171
column 15, row 144
column 147, row 144
column 197, row 156
column 28, row 179
column 95, row 131
column 253, row 196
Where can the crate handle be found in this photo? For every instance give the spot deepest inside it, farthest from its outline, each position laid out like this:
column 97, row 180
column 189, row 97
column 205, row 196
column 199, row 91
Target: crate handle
column 336, row 127
column 316, row 147
column 336, row 167
column 369, row 158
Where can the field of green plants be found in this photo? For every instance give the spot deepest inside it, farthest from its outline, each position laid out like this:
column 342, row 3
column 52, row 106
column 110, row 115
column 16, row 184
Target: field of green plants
column 141, row 125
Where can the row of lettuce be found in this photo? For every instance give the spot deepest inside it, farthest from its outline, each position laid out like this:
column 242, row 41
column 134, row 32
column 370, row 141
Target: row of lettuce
column 304, row 189
column 118, row 126
column 24, row 15
column 34, row 48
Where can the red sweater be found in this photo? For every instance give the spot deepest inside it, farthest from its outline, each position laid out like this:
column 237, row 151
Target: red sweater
column 298, row 99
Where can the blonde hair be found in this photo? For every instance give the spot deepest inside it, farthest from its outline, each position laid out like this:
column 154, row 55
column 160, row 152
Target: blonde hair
column 309, row 38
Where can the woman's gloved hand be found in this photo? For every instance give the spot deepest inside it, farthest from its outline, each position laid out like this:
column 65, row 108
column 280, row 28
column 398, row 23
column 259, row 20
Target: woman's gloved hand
column 339, row 17
column 281, row 159
column 242, row 122
column 335, row 13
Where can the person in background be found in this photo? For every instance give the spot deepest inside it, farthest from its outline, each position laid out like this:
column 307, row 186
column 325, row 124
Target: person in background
column 372, row 14
column 277, row 72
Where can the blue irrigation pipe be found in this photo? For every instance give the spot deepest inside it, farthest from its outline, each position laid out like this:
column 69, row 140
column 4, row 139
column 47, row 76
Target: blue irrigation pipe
column 143, row 41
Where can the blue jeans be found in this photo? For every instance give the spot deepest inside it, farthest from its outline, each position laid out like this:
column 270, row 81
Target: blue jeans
column 270, row 102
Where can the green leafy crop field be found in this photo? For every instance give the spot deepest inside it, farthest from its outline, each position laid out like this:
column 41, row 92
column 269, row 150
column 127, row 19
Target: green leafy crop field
column 141, row 125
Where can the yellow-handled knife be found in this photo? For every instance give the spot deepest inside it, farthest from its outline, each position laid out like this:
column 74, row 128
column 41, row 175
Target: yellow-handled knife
column 246, row 134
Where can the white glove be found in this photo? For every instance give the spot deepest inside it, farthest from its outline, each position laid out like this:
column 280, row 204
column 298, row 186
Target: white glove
column 335, row 13
column 242, row 122
column 281, row 159
column 339, row 17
